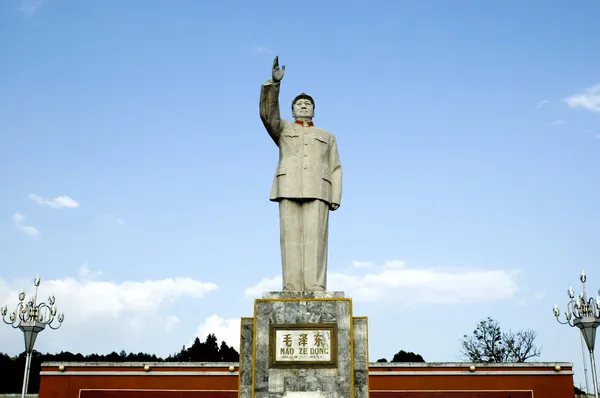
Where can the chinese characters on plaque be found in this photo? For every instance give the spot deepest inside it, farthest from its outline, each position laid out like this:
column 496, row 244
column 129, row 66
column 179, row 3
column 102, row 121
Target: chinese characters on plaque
column 306, row 345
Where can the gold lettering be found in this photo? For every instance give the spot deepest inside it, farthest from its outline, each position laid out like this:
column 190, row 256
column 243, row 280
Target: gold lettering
column 319, row 351
column 287, row 340
column 303, row 339
column 319, row 341
column 286, row 351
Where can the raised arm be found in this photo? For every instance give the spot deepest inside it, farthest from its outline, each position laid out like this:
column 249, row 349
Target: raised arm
column 269, row 102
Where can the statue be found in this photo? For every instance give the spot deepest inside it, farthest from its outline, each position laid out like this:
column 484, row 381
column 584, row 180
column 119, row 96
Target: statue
column 307, row 185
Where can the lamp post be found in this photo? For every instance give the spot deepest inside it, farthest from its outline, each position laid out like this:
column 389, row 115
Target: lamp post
column 32, row 318
column 584, row 313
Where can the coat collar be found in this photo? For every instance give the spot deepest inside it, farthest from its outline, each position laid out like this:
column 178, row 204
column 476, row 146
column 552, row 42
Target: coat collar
column 305, row 124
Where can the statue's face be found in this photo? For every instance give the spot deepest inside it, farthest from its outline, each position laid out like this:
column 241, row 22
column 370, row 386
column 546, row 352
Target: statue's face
column 303, row 109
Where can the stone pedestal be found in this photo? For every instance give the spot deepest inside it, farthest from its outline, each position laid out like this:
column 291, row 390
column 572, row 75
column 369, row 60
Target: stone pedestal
column 303, row 344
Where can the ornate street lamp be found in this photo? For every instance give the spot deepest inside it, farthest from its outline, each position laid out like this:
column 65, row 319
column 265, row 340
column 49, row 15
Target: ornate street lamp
column 32, row 318
column 584, row 313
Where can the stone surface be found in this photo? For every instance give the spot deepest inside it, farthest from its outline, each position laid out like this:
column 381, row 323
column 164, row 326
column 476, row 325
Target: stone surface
column 302, row 295
column 307, row 184
column 361, row 357
column 304, row 308
column 245, row 365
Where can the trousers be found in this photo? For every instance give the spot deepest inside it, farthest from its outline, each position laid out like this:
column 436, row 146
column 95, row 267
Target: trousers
column 304, row 230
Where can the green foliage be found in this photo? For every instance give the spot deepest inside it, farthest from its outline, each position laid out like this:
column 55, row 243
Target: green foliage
column 407, row 356
column 12, row 368
column 489, row 344
column 404, row 356
column 579, row 391
column 207, row 351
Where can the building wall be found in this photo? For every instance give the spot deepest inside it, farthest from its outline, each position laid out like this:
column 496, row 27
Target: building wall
column 167, row 380
column 454, row 380
column 386, row 380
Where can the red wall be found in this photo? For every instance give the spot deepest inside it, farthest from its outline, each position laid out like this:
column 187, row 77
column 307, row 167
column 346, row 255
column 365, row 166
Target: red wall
column 68, row 384
column 407, row 381
column 157, row 394
column 550, row 386
column 454, row 394
column 487, row 381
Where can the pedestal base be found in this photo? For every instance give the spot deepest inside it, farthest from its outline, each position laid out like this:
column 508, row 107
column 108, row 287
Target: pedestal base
column 261, row 376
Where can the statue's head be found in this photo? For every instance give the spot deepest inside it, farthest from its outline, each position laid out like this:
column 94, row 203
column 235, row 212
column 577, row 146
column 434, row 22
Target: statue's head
column 303, row 107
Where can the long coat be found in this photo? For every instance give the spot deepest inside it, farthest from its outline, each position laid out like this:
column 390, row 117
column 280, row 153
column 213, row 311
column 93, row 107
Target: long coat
column 309, row 164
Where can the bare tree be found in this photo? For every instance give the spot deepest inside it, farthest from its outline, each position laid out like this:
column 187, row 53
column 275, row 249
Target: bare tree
column 520, row 346
column 485, row 344
column 489, row 344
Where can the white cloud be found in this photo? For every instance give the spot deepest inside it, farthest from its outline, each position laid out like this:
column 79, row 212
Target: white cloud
column 86, row 298
column 587, row 99
column 87, row 274
column 394, row 264
column 362, row 264
column 542, row 103
column 261, row 50
column 264, row 285
column 57, row 202
column 396, row 282
column 19, row 219
column 535, row 297
column 120, row 221
column 558, row 122
column 539, row 295
column 227, row 330
column 103, row 316
column 30, row 7
column 171, row 323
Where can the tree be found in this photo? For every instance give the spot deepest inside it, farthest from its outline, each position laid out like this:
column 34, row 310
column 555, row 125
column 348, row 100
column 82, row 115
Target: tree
column 489, row 344
column 228, row 354
column 207, row 351
column 403, row 356
column 11, row 368
column 520, row 346
column 212, row 348
column 407, row 356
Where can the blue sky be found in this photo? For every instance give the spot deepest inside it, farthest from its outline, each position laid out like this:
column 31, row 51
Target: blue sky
column 136, row 171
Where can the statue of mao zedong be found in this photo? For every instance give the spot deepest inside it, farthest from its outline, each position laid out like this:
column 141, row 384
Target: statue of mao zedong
column 307, row 185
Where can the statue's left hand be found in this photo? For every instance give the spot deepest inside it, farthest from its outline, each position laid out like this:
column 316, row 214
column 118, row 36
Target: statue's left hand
column 333, row 206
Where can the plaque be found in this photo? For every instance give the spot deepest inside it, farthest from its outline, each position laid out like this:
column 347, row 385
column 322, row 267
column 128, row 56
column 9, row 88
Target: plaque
column 299, row 346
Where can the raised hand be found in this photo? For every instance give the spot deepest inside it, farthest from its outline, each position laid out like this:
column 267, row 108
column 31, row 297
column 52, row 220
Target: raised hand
column 277, row 73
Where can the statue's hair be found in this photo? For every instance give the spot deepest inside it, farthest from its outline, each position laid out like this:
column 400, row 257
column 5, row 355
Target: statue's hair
column 303, row 96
